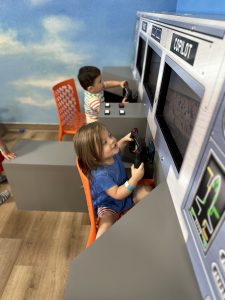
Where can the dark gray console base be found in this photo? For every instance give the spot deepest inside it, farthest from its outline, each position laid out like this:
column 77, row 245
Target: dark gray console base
column 44, row 177
column 142, row 256
column 120, row 125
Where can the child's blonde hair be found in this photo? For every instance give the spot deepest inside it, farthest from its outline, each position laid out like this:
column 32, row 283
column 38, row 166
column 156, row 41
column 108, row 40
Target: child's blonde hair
column 88, row 146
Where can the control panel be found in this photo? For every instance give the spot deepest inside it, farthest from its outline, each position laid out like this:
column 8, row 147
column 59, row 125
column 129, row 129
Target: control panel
column 180, row 66
column 204, row 210
column 121, row 117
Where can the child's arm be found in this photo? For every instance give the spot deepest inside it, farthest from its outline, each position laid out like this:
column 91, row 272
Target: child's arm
column 5, row 151
column 122, row 143
column 113, row 83
column 121, row 192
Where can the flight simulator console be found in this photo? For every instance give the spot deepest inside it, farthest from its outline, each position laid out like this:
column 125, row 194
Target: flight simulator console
column 180, row 68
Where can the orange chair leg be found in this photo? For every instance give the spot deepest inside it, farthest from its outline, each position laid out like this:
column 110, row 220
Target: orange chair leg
column 91, row 236
column 60, row 134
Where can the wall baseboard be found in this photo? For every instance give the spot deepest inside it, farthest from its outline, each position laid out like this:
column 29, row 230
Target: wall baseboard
column 19, row 126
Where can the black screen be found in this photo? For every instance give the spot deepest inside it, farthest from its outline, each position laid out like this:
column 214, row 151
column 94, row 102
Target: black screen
column 177, row 111
column 207, row 209
column 140, row 55
column 151, row 73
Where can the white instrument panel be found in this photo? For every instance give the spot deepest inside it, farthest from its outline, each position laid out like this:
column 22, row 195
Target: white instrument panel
column 188, row 54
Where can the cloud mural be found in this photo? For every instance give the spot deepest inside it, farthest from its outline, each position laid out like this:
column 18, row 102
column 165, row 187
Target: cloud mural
column 43, row 42
column 39, row 2
column 54, row 49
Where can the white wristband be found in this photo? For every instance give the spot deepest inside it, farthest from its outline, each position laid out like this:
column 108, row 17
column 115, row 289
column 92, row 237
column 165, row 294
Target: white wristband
column 129, row 187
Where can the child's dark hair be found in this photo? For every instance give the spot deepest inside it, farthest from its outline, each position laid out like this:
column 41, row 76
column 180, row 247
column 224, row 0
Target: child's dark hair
column 88, row 146
column 87, row 76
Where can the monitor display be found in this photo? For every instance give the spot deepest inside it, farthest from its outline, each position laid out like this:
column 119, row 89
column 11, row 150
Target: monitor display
column 208, row 207
column 177, row 110
column 151, row 73
column 140, row 55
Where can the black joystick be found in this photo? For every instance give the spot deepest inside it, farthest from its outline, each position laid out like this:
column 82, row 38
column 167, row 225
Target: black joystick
column 142, row 153
column 137, row 160
column 135, row 147
column 127, row 93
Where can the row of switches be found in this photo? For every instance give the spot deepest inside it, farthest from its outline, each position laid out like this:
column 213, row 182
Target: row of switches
column 218, row 280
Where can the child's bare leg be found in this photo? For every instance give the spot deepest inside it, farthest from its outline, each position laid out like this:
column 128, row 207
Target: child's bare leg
column 141, row 192
column 105, row 222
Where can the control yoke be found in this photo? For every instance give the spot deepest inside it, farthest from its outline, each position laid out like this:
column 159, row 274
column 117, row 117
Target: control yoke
column 142, row 152
column 135, row 147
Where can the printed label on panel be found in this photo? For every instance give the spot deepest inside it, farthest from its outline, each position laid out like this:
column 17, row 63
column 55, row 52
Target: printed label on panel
column 184, row 48
column 156, row 33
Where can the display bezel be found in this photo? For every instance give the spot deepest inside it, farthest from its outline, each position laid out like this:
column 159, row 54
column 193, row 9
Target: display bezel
column 195, row 86
column 150, row 48
column 140, row 53
column 203, row 166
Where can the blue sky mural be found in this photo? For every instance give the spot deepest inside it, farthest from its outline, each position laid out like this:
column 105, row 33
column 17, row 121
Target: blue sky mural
column 43, row 42
column 202, row 7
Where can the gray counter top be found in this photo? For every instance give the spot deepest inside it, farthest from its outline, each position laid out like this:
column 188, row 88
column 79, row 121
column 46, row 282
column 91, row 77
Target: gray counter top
column 31, row 152
column 143, row 256
column 44, row 176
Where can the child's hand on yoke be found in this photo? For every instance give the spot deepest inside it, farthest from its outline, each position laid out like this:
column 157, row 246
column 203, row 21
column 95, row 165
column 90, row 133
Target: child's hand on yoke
column 125, row 100
column 123, row 83
column 127, row 138
column 122, row 143
column 137, row 173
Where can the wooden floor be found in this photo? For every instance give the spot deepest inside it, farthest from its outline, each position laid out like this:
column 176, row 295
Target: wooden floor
column 36, row 247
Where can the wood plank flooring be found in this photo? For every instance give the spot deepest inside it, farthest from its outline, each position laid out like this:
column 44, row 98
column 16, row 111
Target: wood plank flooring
column 37, row 247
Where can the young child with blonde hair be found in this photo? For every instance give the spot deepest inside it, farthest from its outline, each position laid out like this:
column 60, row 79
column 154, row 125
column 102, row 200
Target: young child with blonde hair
column 98, row 155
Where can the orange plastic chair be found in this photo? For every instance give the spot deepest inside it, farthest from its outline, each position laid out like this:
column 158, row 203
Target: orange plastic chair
column 147, row 181
column 68, row 106
column 87, row 191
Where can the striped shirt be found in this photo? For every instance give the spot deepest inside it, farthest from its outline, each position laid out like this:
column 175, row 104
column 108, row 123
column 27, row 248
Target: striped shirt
column 92, row 104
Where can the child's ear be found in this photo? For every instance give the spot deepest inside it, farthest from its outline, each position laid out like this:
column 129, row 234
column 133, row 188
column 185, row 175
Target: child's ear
column 90, row 89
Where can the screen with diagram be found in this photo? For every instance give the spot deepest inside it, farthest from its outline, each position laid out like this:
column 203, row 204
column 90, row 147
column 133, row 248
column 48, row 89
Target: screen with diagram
column 207, row 209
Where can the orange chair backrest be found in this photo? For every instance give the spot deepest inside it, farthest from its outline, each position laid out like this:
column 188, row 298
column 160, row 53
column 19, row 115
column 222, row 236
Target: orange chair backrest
column 67, row 101
column 87, row 191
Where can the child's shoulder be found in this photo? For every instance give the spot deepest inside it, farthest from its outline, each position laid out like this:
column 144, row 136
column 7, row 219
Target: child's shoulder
column 97, row 95
column 101, row 171
column 91, row 97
